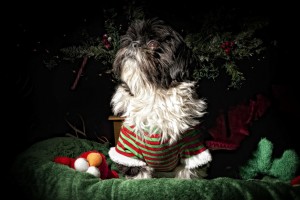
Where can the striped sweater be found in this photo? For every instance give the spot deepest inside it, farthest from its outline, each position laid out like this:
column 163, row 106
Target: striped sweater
column 132, row 150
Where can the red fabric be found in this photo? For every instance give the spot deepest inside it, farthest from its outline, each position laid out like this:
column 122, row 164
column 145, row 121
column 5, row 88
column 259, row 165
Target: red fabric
column 239, row 118
column 103, row 168
column 295, row 181
column 105, row 172
column 159, row 155
column 65, row 161
column 113, row 174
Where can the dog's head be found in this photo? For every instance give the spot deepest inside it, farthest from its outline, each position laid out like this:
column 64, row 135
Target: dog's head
column 157, row 90
column 154, row 55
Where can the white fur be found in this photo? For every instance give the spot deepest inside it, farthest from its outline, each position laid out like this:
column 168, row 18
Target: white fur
column 184, row 173
column 197, row 160
column 124, row 160
column 194, row 167
column 171, row 111
column 145, row 173
column 153, row 108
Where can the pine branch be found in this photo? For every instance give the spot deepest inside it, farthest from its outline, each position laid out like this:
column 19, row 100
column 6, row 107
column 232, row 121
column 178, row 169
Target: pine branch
column 215, row 47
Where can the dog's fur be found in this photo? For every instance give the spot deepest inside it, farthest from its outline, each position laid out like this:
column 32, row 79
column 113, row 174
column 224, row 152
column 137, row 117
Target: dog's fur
column 156, row 90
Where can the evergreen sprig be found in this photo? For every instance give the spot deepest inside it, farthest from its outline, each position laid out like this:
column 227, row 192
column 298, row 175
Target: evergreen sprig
column 222, row 51
column 217, row 48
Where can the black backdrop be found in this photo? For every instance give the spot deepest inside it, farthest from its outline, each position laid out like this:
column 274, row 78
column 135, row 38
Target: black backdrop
column 40, row 99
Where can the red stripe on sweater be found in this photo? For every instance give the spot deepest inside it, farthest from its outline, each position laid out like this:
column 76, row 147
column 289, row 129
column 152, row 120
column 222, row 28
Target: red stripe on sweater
column 186, row 154
column 124, row 153
column 184, row 140
column 137, row 150
column 165, row 156
column 126, row 132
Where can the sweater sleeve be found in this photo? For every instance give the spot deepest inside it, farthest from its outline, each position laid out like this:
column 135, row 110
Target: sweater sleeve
column 126, row 152
column 193, row 152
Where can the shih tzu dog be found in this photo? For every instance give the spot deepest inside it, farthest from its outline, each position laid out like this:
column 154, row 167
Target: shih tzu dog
column 160, row 135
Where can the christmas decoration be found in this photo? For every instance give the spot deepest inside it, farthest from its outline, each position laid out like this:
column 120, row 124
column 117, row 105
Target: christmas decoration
column 239, row 118
column 218, row 48
column 263, row 163
column 92, row 162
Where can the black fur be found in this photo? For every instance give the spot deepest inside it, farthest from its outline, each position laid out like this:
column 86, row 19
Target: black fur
column 128, row 171
column 157, row 42
column 154, row 57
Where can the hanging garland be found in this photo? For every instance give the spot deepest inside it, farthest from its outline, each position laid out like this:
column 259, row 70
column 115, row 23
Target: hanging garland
column 218, row 49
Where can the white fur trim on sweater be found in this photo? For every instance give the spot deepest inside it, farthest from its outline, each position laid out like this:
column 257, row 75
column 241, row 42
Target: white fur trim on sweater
column 197, row 160
column 124, row 160
column 170, row 111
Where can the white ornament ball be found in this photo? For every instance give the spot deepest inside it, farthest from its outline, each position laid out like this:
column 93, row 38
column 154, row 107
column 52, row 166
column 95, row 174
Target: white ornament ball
column 94, row 171
column 81, row 165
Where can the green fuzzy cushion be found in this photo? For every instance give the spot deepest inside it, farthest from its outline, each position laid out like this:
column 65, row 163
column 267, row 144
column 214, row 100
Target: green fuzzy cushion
column 40, row 178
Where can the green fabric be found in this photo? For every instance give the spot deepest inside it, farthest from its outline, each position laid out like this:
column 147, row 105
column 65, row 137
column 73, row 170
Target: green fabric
column 262, row 163
column 40, row 178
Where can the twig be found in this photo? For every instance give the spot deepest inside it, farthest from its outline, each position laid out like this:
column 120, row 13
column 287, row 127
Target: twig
column 79, row 72
column 76, row 129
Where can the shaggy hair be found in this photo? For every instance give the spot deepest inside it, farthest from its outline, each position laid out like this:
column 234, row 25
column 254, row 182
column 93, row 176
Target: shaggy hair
column 156, row 91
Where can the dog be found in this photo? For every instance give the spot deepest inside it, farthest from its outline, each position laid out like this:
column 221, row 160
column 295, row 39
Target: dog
column 156, row 95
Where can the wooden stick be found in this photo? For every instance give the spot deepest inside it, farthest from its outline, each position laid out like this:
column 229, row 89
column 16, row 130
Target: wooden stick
column 79, row 72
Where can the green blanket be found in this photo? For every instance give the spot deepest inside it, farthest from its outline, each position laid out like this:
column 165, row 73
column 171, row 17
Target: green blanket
column 40, row 178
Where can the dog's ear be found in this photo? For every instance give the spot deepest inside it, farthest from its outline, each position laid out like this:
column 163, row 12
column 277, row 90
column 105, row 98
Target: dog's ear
column 186, row 63
column 116, row 65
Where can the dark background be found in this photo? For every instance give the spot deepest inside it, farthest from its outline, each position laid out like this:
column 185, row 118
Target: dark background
column 39, row 100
